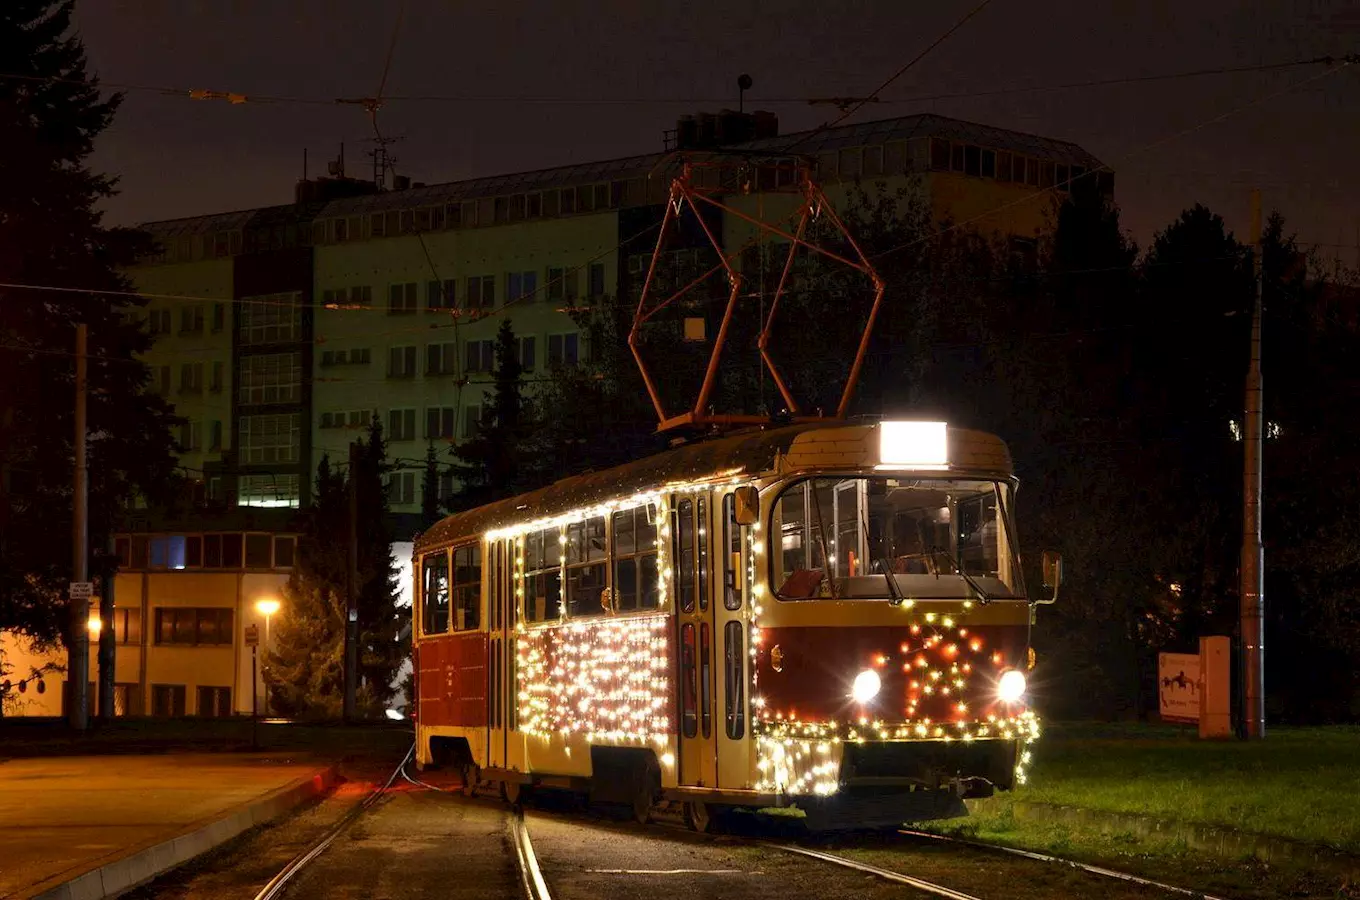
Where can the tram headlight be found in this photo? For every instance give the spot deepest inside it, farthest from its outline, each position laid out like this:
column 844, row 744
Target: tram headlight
column 866, row 686
column 1010, row 688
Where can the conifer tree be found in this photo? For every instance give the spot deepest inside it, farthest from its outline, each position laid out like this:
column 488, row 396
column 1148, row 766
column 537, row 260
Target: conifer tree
column 492, row 465
column 51, row 236
column 305, row 664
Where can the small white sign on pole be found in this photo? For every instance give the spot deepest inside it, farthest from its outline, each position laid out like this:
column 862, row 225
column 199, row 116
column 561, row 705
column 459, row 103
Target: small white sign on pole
column 82, row 590
column 1178, row 686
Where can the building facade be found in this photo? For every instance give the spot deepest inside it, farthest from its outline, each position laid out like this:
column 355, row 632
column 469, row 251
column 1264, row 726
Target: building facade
column 325, row 313
column 182, row 605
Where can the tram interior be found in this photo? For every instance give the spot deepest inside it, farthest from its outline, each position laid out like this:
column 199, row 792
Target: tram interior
column 868, row 537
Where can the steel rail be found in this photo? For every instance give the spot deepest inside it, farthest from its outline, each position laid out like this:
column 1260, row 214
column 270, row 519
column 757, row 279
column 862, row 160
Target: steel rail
column 276, row 884
column 1058, row 860
column 920, row 884
column 531, row 876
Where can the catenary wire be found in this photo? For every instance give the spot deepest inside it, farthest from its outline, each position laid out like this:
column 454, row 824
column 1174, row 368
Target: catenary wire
column 859, row 104
column 238, row 98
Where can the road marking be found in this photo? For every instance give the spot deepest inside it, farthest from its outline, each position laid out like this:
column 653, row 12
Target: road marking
column 671, row 872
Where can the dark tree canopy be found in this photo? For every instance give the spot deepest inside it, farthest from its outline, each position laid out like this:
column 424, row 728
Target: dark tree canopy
column 498, row 460
column 306, row 661
column 51, row 236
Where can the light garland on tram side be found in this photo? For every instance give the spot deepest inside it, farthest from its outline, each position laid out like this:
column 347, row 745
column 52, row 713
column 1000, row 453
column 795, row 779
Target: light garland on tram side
column 606, row 678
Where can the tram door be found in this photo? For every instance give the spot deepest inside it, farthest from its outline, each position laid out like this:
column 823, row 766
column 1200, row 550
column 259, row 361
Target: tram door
column 731, row 658
column 500, row 670
column 691, row 529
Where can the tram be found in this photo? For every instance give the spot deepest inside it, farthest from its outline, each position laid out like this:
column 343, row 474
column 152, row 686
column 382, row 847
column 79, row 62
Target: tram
column 826, row 616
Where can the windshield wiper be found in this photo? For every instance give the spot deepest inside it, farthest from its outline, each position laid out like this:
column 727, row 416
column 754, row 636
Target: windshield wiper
column 895, row 597
column 982, row 595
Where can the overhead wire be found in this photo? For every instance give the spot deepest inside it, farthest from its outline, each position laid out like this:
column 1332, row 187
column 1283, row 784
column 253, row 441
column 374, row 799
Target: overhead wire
column 857, row 106
column 236, row 98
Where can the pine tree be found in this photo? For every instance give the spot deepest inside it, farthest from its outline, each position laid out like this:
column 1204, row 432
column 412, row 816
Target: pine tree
column 429, row 489
column 50, row 235
column 305, row 665
column 492, row 465
column 382, row 624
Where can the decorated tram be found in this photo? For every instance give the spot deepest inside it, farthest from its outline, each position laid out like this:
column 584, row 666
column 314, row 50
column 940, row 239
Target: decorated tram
column 824, row 616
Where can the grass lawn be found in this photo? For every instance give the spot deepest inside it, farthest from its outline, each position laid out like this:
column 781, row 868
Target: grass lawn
column 1297, row 783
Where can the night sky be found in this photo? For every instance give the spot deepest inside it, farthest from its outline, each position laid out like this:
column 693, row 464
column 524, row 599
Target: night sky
column 547, row 83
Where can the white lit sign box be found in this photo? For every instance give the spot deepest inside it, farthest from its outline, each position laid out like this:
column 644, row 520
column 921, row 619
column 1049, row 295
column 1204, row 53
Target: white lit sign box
column 913, row 445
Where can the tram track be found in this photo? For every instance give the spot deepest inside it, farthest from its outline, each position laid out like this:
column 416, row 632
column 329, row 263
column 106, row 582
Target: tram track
column 1137, row 885
column 920, row 884
column 1058, row 860
column 530, row 875
column 280, row 881
column 531, row 881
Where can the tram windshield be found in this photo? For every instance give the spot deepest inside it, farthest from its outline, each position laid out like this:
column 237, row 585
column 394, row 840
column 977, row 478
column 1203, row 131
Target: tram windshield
column 932, row 537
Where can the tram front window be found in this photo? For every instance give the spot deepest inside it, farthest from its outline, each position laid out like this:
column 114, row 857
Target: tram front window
column 935, row 537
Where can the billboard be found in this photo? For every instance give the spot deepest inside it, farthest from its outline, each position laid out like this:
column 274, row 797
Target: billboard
column 1178, row 686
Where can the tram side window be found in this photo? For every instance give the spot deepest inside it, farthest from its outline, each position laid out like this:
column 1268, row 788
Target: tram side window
column 686, row 581
column 435, row 593
column 804, row 519
column 734, row 679
column 543, row 576
column 731, row 568
column 467, row 588
column 585, row 568
column 636, row 584
column 702, row 547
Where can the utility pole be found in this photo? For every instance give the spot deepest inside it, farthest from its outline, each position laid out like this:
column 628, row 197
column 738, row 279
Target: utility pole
column 352, row 595
column 1252, row 591
column 108, row 651
column 78, row 656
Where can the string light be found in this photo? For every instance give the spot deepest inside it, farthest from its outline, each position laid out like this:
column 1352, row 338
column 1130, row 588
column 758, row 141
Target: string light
column 609, row 679
column 606, row 679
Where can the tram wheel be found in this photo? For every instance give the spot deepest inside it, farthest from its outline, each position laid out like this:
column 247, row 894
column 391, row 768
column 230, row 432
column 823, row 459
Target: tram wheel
column 471, row 775
column 644, row 793
column 512, row 792
column 698, row 816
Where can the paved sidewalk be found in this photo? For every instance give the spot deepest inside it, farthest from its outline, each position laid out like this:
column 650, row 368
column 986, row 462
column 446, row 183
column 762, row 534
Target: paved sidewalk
column 66, row 816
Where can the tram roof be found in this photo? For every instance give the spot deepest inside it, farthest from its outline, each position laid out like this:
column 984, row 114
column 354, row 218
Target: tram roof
column 741, row 455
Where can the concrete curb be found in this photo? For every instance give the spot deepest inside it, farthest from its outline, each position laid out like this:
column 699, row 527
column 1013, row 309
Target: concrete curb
column 145, row 863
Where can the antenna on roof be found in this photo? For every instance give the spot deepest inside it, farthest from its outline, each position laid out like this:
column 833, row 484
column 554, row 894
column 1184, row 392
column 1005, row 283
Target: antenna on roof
column 743, row 85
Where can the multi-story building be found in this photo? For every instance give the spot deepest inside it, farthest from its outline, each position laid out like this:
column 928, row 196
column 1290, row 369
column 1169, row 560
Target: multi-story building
column 281, row 331
column 376, row 303
column 183, row 602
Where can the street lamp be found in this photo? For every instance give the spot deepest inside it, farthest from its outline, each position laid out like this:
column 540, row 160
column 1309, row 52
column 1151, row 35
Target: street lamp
column 95, row 625
column 266, row 606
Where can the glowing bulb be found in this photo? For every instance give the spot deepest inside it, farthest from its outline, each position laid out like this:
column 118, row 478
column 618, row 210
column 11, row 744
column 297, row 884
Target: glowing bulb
column 866, row 686
column 1011, row 687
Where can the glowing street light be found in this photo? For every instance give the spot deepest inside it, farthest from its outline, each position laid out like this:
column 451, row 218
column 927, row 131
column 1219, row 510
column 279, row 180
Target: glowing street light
column 95, row 625
column 267, row 606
